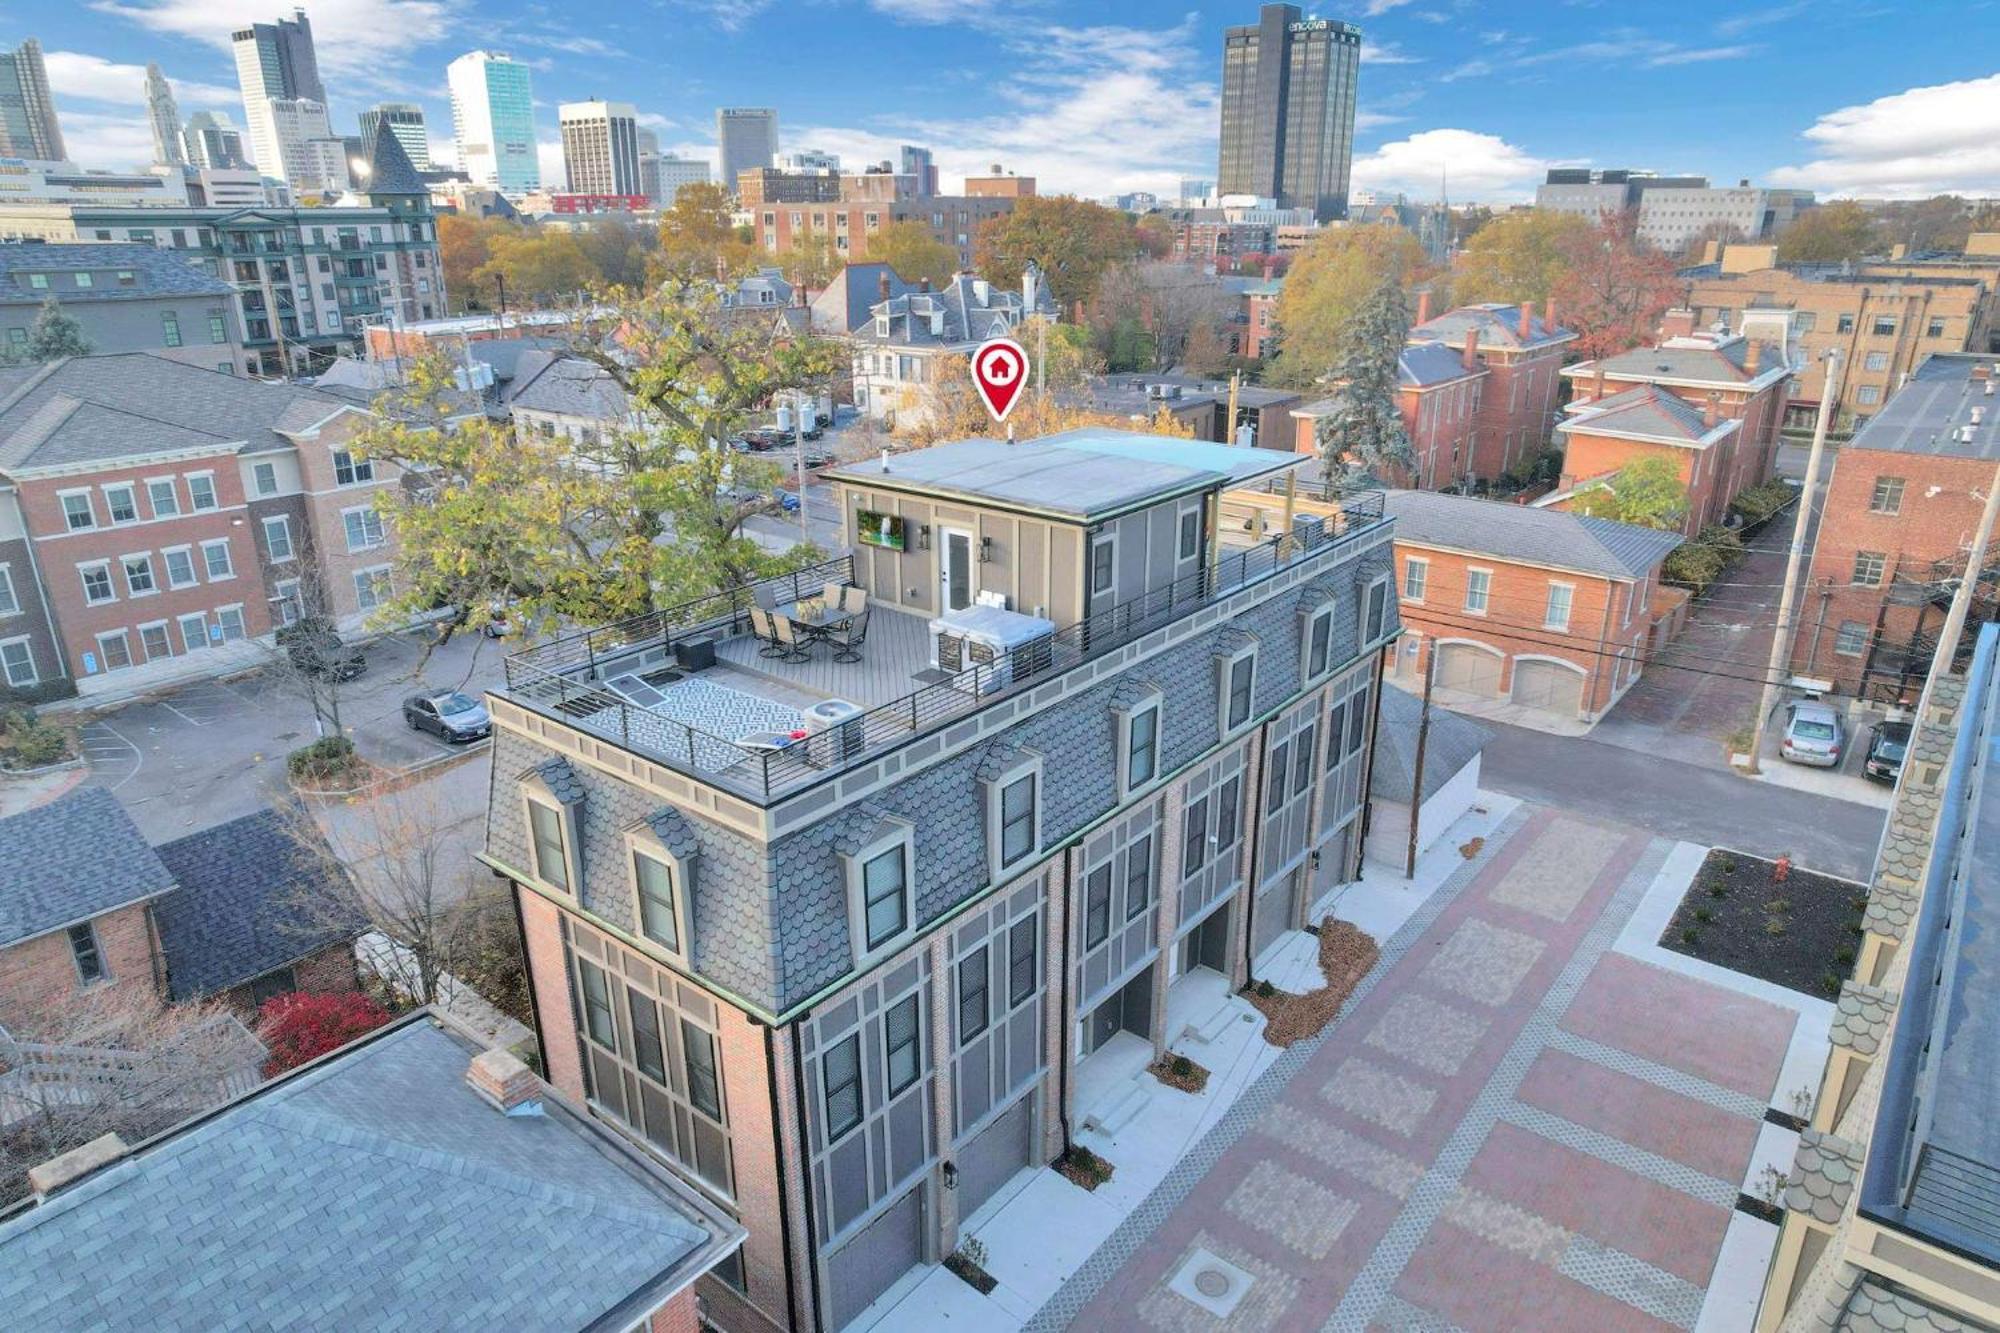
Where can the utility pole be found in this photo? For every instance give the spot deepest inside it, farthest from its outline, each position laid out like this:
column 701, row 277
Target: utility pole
column 1423, row 739
column 1961, row 600
column 799, row 410
column 1781, row 639
column 1229, row 426
column 1041, row 361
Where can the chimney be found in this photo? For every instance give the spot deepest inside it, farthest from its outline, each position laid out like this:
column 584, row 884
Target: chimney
column 1424, row 306
column 74, row 1165
column 1549, row 316
column 923, row 284
column 1597, row 394
column 499, row 1079
column 1471, row 357
column 1677, row 323
column 882, row 284
column 1710, row 413
column 1527, row 321
column 1751, row 358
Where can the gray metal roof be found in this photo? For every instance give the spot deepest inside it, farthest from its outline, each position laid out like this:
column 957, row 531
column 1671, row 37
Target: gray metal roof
column 372, row 1191
column 1930, row 413
column 1682, row 359
column 1454, row 742
column 240, row 909
column 1648, row 412
column 1551, row 537
column 77, row 857
column 390, row 170
column 1081, row 474
column 157, row 405
column 1499, row 327
column 845, row 304
column 155, row 273
column 1421, row 364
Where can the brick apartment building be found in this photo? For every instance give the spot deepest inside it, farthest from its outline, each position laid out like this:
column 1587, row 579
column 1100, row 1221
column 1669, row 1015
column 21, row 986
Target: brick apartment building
column 1438, row 389
column 852, row 986
column 867, row 202
column 157, row 520
column 1712, row 404
column 1522, row 353
column 1535, row 606
column 90, row 908
column 1900, row 514
column 1885, row 316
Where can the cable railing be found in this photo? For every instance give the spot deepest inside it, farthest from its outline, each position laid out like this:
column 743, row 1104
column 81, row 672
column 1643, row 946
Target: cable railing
column 562, row 677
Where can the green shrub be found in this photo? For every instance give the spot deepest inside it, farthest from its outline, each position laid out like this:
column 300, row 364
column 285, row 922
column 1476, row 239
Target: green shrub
column 28, row 742
column 1697, row 563
column 1690, row 935
column 1717, row 891
column 1760, row 502
column 326, row 758
column 1703, row 915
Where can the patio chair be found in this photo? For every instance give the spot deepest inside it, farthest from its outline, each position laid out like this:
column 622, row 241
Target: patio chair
column 764, row 625
column 853, row 598
column 848, row 638
column 832, row 593
column 795, row 648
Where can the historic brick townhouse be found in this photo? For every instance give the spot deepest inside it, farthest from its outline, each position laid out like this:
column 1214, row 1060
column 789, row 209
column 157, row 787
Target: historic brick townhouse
column 1522, row 353
column 1900, row 514
column 901, row 352
column 157, row 520
column 1540, row 607
column 1438, row 389
column 850, row 944
column 1721, row 436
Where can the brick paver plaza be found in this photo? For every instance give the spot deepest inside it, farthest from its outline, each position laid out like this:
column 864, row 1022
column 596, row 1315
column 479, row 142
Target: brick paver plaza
column 1511, row 1127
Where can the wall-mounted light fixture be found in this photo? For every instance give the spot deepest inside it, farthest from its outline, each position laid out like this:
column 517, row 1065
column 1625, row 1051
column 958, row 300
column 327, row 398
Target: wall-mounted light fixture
column 951, row 1175
column 923, row 536
column 985, row 550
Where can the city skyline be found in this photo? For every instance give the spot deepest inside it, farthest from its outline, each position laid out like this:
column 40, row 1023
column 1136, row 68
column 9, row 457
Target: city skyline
column 1118, row 102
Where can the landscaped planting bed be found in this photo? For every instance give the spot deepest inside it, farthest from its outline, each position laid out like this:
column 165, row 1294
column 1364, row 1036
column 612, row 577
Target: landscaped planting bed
column 1800, row 932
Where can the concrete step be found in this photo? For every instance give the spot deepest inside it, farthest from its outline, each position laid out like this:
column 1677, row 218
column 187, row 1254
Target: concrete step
column 1118, row 1110
column 1206, row 1029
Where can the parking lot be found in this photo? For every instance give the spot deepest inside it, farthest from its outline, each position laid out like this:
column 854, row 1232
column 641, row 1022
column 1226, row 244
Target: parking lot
column 210, row 751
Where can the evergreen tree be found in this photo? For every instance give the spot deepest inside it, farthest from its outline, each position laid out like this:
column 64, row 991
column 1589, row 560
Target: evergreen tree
column 56, row 334
column 1364, row 432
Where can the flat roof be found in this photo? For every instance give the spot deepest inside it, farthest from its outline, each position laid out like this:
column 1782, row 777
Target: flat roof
column 1080, row 474
column 1933, row 409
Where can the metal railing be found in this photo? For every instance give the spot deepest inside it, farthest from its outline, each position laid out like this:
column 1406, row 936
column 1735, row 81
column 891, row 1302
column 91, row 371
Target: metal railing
column 561, row 676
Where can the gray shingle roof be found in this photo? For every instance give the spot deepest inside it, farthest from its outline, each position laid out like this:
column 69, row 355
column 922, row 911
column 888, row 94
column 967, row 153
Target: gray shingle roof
column 390, row 170
column 552, row 382
column 1726, row 364
column 1499, row 327
column 1647, row 411
column 961, row 315
column 844, row 306
column 1529, row 536
column 77, row 857
column 1453, row 743
column 162, row 406
column 238, row 911
column 155, row 273
column 374, row 1191
column 1421, row 364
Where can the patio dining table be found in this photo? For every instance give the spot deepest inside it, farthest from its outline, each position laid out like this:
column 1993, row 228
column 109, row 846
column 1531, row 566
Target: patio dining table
column 814, row 617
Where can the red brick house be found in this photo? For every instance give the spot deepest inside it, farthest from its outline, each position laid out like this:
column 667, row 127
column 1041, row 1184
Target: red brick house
column 1722, row 378
column 1900, row 512
column 1522, row 353
column 1259, row 337
column 1532, row 606
column 1439, row 391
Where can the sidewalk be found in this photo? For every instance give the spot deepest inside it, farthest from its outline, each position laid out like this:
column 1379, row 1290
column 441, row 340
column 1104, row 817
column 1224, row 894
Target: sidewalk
column 1040, row 1229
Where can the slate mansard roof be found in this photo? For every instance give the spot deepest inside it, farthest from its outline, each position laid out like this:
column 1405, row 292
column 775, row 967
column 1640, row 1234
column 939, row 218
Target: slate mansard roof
column 373, row 1190
column 156, row 273
column 1528, row 536
column 240, row 910
column 77, row 857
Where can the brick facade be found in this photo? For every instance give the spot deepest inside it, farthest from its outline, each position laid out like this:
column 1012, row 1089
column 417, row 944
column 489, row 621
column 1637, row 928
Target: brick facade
column 39, row 978
column 1521, row 351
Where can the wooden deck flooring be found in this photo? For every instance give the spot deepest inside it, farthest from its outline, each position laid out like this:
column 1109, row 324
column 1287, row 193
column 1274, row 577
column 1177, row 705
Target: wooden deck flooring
column 898, row 647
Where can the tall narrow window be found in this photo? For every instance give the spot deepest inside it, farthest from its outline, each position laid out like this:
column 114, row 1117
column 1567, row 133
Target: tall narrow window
column 1194, row 838
column 1022, row 949
column 885, row 901
column 1556, row 614
column 704, row 1087
column 1097, row 906
column 901, row 1051
column 1274, row 781
column 973, row 1008
column 659, row 919
column 545, row 824
column 1228, row 812
column 1478, row 585
column 649, row 1051
column 83, row 948
column 1138, row 877
column 1142, row 739
column 1017, row 819
column 1378, row 610
column 1319, row 643
column 1242, row 674
column 598, row 1020
column 840, row 1072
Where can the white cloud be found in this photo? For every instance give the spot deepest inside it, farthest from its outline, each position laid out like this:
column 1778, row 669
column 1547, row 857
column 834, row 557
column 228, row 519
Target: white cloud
column 364, row 41
column 1758, row 18
column 1477, row 166
column 975, row 12
column 1700, row 55
column 107, row 142
column 1377, row 8
column 74, row 74
column 549, row 155
column 1365, row 120
column 1945, row 137
column 1386, row 53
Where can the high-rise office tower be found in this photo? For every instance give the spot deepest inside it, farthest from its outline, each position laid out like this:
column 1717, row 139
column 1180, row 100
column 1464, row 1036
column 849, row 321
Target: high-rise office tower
column 284, row 105
column 212, row 142
column 493, row 122
column 406, row 122
column 600, row 147
column 649, row 164
column 675, row 172
column 918, row 162
column 28, row 126
column 165, row 117
column 1288, row 110
column 745, row 137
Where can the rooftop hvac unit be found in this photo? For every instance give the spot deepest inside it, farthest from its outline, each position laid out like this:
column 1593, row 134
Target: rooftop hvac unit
column 835, row 732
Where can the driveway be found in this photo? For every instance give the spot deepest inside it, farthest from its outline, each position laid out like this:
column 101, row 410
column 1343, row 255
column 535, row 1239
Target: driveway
column 1514, row 1125
column 211, row 751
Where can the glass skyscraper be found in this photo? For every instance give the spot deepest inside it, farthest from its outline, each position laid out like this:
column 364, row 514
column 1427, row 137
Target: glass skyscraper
column 493, row 121
column 1288, row 110
column 28, row 125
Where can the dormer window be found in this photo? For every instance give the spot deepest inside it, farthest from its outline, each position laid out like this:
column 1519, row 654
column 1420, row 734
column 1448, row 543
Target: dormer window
column 552, row 805
column 1315, row 638
column 1011, row 781
column 662, row 852
column 881, row 898
column 1236, row 682
column 1137, row 709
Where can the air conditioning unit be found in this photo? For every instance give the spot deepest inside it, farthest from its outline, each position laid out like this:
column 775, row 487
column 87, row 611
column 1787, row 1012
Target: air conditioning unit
column 835, row 732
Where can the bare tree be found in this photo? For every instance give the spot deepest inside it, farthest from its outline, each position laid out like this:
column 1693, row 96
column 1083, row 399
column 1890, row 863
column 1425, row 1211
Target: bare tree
column 1168, row 303
column 114, row 1060
column 308, row 657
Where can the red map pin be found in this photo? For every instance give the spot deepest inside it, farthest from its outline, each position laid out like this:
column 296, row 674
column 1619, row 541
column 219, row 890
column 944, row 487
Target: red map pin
column 999, row 369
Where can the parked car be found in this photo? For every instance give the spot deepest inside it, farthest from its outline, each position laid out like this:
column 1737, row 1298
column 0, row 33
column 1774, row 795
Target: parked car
column 449, row 717
column 760, row 439
column 316, row 648
column 1886, row 749
column 1814, row 735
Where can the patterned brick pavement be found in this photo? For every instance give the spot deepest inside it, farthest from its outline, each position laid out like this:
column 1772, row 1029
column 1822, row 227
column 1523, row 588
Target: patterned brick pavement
column 1510, row 1127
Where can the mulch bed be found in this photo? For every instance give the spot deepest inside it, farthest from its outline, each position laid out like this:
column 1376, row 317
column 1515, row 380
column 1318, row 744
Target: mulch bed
column 1177, row 1071
column 1801, row 934
column 1345, row 955
column 1083, row 1168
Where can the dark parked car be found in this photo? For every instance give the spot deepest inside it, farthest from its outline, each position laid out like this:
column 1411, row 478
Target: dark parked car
column 449, row 716
column 1886, row 749
column 759, row 439
column 316, row 648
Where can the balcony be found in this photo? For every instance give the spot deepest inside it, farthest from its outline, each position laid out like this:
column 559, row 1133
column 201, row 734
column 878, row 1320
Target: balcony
column 621, row 683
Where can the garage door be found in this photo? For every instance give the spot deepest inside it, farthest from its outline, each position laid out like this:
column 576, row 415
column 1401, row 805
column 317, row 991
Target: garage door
column 881, row 1252
column 1271, row 916
column 1549, row 685
column 994, row 1157
column 1461, row 666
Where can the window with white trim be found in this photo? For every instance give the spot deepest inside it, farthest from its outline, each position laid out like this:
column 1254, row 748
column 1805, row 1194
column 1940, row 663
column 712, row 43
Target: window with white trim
column 363, row 527
column 153, row 638
column 216, row 564
column 1190, row 533
column 17, row 662
column 1416, row 577
column 201, row 491
column 121, row 504
column 881, row 897
column 264, row 477
column 1556, row 614
column 84, row 951
column 278, row 539
column 1316, row 650
column 138, row 575
column 351, row 471
column 1478, row 590
column 1238, row 676
column 78, row 516
column 1103, row 565
column 840, row 1080
column 179, row 564
column 97, row 586
column 1375, row 618
column 194, row 631
column 1138, row 730
column 164, row 499
column 549, row 838
column 1851, row 640
column 114, row 651
column 286, row 605
column 659, row 880
column 10, row 603
column 229, row 619
column 372, row 587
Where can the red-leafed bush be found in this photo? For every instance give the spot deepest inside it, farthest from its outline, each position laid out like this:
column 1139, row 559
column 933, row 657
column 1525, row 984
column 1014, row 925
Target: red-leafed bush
column 300, row 1027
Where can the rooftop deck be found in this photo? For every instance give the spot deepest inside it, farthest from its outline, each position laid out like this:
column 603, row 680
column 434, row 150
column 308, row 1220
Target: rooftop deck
column 623, row 682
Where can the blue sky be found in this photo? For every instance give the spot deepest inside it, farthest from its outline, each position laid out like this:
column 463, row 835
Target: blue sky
column 1845, row 96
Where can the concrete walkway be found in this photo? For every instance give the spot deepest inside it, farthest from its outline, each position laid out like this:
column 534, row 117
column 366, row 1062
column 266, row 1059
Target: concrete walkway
column 1524, row 1119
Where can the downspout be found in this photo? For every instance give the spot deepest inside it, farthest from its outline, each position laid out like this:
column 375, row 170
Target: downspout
column 1368, row 768
column 1819, row 625
column 806, row 1194
column 1255, row 799
column 784, row 1206
column 1062, row 1002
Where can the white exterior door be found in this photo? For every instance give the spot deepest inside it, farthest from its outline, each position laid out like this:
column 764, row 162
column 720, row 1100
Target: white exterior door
column 955, row 570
